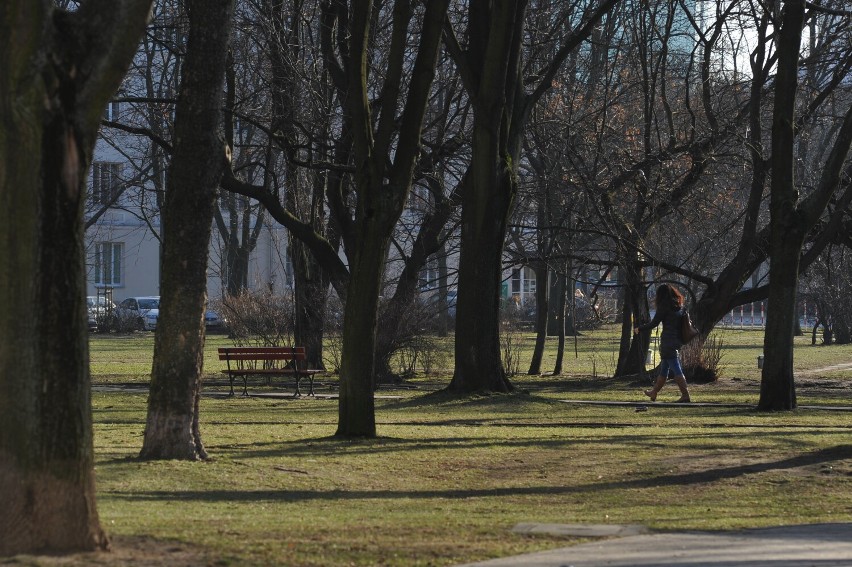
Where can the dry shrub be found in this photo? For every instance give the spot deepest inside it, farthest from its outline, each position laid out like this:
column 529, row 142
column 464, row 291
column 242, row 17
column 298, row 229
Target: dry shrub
column 511, row 337
column 702, row 360
column 405, row 342
column 260, row 318
column 331, row 352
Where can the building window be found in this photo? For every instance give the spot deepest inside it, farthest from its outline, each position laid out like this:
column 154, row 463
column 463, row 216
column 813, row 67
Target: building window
column 420, row 199
column 108, row 263
column 112, row 111
column 516, row 281
column 106, row 182
column 429, row 276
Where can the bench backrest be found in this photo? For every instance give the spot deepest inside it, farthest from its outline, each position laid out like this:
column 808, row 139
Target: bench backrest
column 262, row 353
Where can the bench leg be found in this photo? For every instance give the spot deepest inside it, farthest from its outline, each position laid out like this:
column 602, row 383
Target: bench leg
column 245, row 385
column 231, row 382
column 298, row 393
column 311, row 384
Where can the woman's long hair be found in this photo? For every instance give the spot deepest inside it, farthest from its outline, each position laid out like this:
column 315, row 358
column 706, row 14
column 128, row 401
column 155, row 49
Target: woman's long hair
column 669, row 298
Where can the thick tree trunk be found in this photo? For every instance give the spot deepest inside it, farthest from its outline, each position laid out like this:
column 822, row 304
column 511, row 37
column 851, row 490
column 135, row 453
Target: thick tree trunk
column 311, row 289
column 382, row 192
column 443, row 306
column 172, row 428
column 478, row 365
column 556, row 315
column 46, row 458
column 356, row 408
column 49, row 114
column 777, row 387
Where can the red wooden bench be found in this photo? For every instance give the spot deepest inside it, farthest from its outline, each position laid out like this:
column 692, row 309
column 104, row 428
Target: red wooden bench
column 267, row 361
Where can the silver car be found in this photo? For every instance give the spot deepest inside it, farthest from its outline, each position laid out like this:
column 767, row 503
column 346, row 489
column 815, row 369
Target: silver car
column 99, row 308
column 145, row 311
column 139, row 312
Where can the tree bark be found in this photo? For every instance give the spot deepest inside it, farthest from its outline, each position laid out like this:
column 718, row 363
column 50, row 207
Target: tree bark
column 485, row 209
column 561, row 305
column 495, row 37
column 172, row 426
column 49, row 115
column 777, row 387
column 311, row 289
column 541, row 310
column 790, row 221
column 631, row 355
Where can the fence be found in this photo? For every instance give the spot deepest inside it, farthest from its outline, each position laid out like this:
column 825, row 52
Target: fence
column 753, row 316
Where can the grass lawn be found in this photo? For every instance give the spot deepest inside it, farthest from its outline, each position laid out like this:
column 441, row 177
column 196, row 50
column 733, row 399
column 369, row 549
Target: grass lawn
column 448, row 478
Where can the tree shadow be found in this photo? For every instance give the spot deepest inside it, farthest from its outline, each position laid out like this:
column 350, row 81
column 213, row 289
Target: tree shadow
column 701, row 477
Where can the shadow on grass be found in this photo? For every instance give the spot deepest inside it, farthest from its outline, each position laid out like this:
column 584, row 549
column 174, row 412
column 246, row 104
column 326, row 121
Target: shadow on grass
column 827, row 455
column 323, row 447
column 523, row 394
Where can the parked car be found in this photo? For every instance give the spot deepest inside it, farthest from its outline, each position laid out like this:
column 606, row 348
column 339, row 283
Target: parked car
column 143, row 312
column 99, row 308
column 214, row 322
column 138, row 313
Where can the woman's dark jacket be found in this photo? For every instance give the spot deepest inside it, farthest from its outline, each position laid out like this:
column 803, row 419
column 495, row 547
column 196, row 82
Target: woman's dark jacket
column 670, row 341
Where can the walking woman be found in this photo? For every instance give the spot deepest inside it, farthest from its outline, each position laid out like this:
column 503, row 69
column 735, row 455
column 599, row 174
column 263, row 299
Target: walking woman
column 670, row 311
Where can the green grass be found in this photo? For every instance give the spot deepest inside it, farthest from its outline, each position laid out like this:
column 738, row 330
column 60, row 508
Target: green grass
column 448, row 478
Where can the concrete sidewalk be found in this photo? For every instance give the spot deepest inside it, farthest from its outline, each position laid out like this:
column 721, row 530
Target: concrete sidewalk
column 818, row 545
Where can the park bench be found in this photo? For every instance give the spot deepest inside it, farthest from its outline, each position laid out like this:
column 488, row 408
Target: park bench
column 267, row 361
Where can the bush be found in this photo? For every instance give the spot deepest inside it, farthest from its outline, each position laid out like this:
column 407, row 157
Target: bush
column 404, row 342
column 701, row 360
column 511, row 337
column 259, row 318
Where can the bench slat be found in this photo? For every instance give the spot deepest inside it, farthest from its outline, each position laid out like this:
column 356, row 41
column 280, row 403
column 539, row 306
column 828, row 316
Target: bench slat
column 241, row 371
column 263, row 356
column 261, row 349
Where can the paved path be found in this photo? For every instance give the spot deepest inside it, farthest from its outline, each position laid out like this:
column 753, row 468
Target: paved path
column 845, row 366
column 641, row 406
column 817, row 545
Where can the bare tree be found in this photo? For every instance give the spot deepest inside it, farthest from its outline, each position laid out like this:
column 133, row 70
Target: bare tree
column 489, row 58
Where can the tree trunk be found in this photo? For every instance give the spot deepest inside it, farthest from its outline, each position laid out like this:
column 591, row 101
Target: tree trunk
column 356, row 408
column 495, row 36
column 311, row 289
column 777, row 387
column 557, row 318
column 50, row 113
column 236, row 263
column 478, row 365
column 443, row 305
column 172, row 428
column 310, row 283
column 560, row 333
column 631, row 354
column 541, row 311
column 46, row 458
